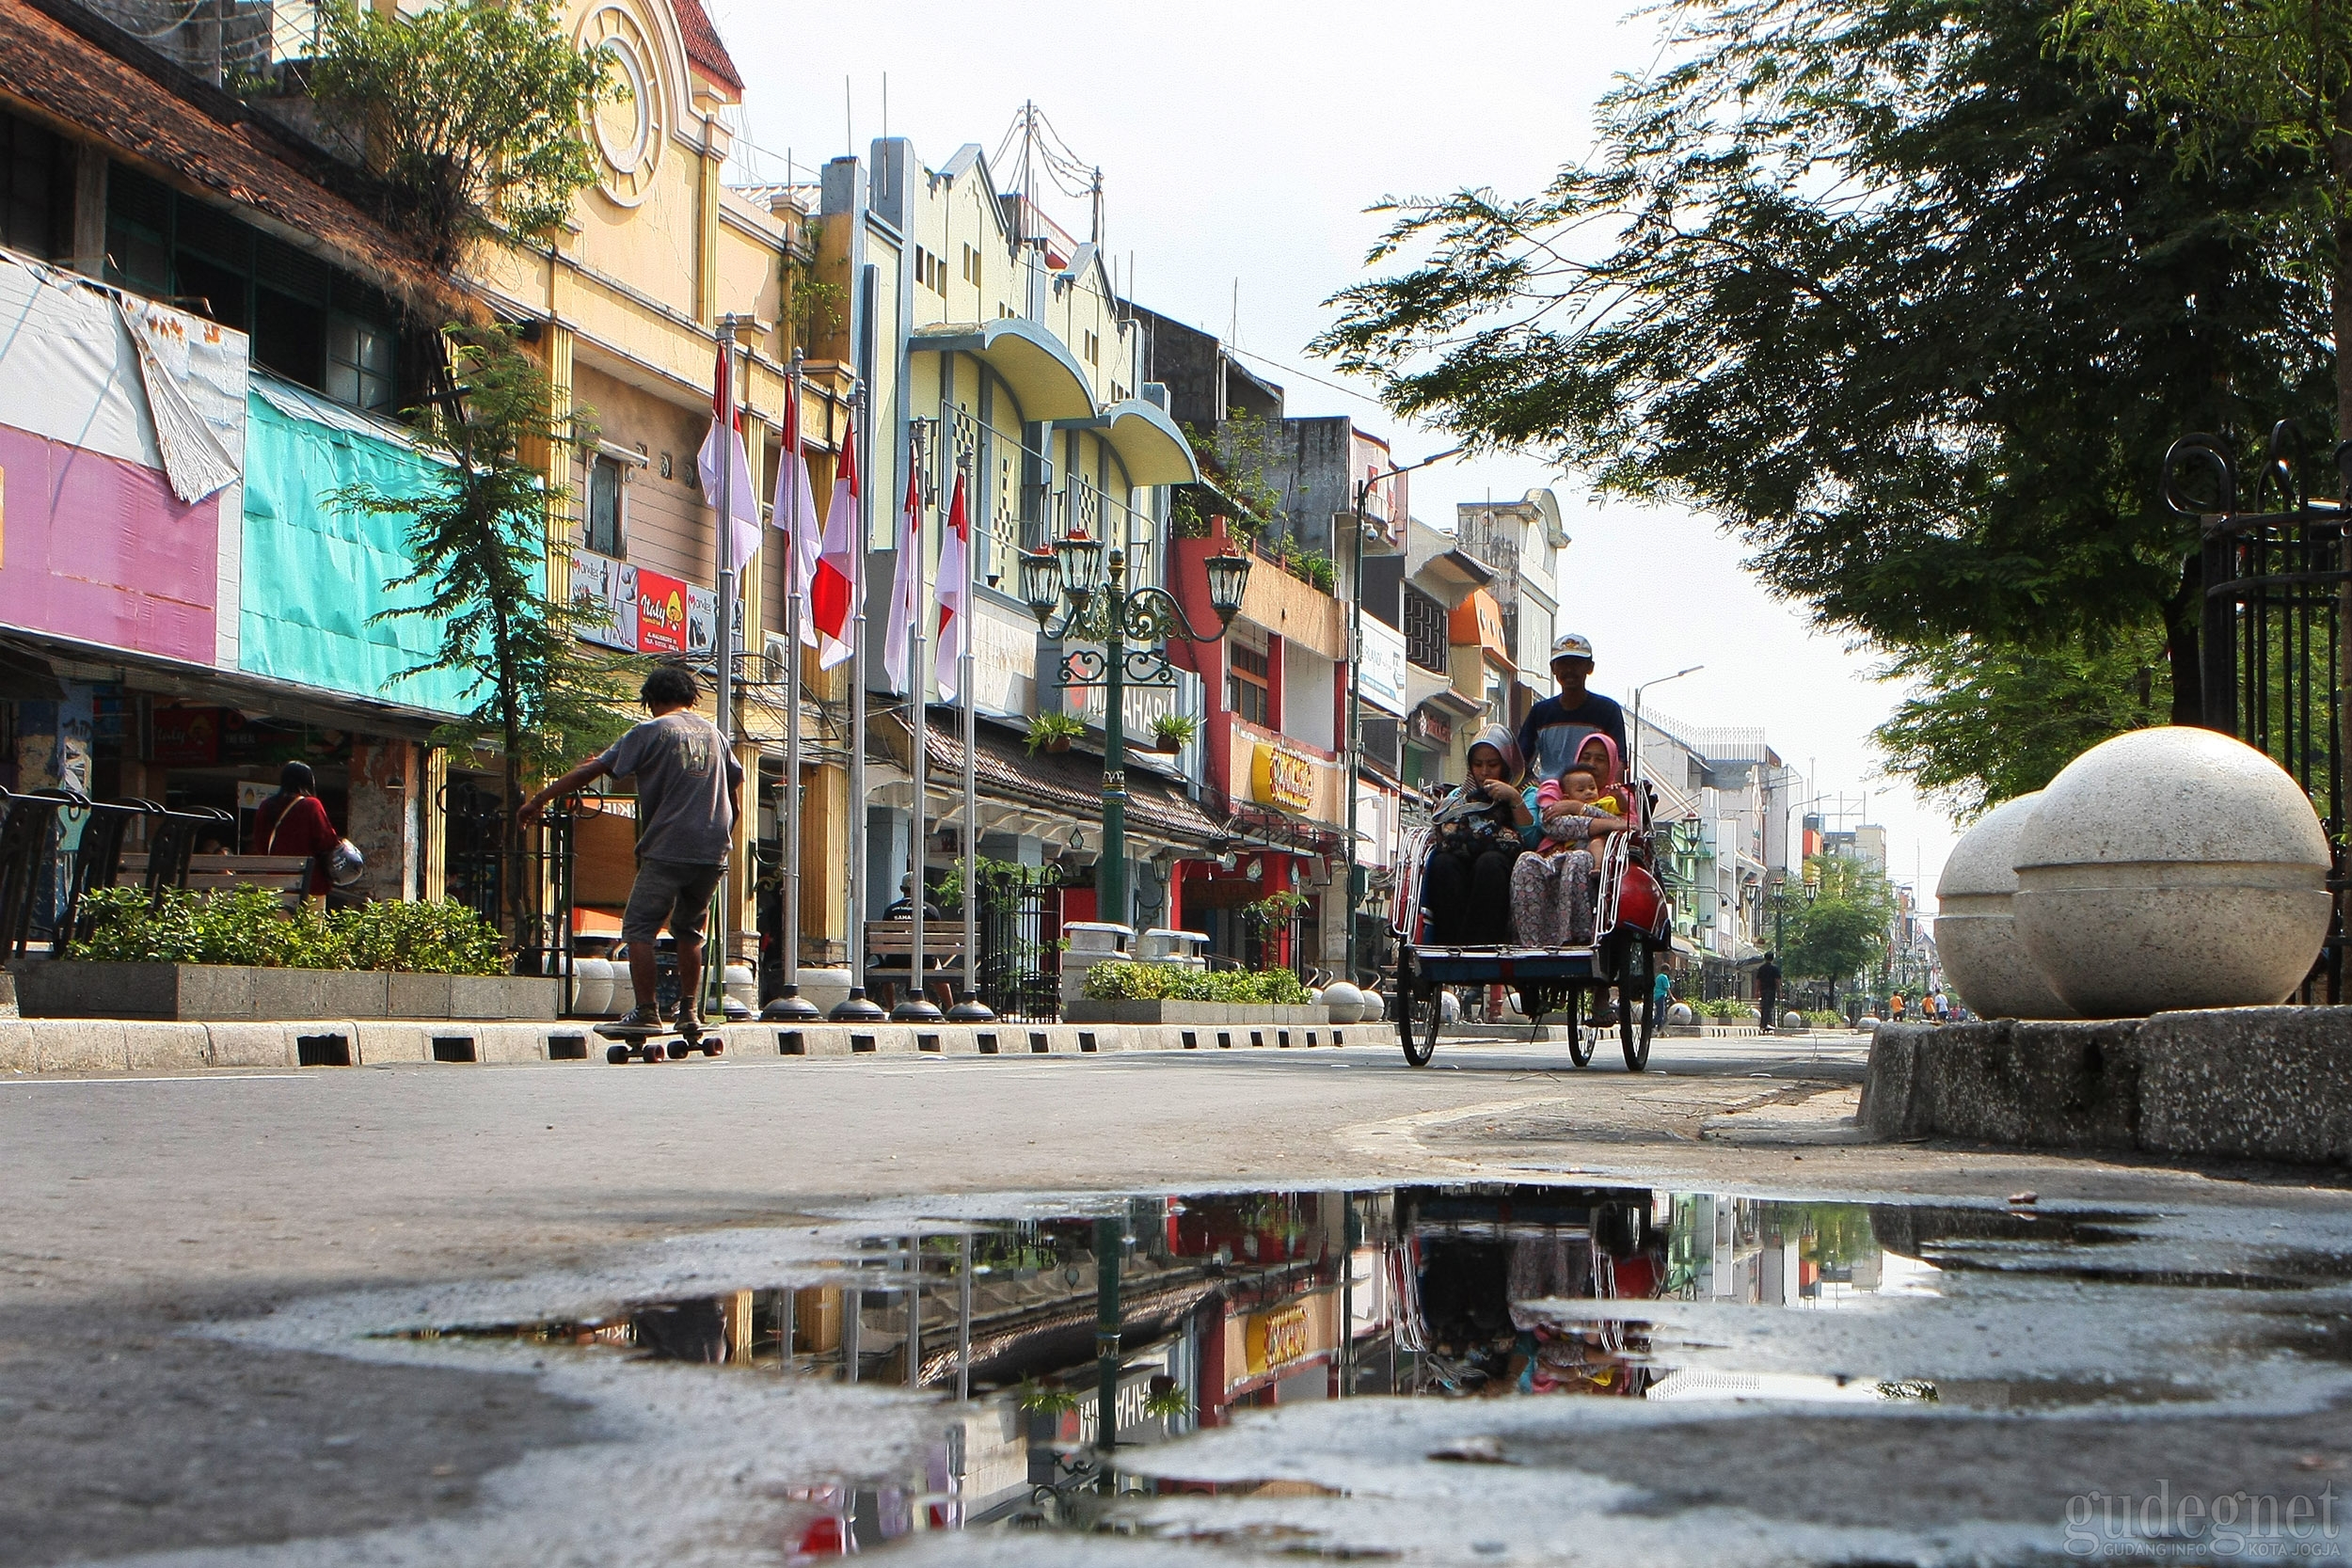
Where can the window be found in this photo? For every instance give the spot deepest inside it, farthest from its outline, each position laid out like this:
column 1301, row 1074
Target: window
column 35, row 189
column 608, row 507
column 358, row 363
column 1424, row 630
column 1247, row 684
column 930, row 271
column 1094, row 348
column 971, row 266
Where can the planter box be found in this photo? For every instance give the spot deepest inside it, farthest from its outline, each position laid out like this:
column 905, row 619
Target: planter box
column 236, row 993
column 1086, row 1010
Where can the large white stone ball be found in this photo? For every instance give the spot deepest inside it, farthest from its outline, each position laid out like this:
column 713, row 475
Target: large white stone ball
column 2172, row 869
column 1680, row 1013
column 1975, row 934
column 1344, row 1003
column 1375, row 1007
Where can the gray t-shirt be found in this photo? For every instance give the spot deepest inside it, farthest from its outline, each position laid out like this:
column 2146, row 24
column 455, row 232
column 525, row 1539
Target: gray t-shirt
column 682, row 809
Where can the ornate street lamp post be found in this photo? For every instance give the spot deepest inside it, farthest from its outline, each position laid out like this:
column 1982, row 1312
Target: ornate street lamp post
column 1078, row 591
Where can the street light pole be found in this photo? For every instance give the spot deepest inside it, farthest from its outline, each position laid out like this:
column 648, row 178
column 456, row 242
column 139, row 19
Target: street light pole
column 1633, row 764
column 1356, row 677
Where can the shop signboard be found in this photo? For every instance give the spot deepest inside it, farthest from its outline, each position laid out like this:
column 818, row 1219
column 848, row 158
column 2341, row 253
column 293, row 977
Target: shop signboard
column 702, row 620
column 1282, row 778
column 601, row 585
column 1381, row 675
column 184, row 737
column 1274, row 1339
column 660, row 614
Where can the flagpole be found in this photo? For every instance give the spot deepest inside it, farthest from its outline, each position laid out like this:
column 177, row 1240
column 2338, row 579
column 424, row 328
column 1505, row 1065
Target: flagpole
column 790, row 1005
column 915, row 1008
column 715, row 969
column 857, row 1008
column 971, row 1009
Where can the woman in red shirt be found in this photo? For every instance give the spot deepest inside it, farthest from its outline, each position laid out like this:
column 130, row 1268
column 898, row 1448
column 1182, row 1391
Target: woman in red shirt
column 294, row 822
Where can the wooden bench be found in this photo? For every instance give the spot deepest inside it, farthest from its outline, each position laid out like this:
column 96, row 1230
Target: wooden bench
column 890, row 949
column 286, row 875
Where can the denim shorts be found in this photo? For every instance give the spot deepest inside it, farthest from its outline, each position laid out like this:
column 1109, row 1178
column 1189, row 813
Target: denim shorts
column 671, row 892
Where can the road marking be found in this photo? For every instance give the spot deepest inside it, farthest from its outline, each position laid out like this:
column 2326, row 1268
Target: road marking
column 179, row 1078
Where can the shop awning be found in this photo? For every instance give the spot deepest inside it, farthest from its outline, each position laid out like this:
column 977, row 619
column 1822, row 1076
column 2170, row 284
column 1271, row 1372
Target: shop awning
column 1069, row 787
column 1151, row 446
column 1044, row 375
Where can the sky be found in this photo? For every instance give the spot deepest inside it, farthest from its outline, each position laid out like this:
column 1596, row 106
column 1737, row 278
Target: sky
column 1240, row 144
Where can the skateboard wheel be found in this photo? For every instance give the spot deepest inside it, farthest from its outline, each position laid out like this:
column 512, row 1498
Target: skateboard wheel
column 617, row 1054
column 712, row 1047
column 678, row 1050
column 649, row 1052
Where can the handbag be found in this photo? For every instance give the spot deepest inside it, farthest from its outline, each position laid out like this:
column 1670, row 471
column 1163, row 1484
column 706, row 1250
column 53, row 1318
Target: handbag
column 341, row 864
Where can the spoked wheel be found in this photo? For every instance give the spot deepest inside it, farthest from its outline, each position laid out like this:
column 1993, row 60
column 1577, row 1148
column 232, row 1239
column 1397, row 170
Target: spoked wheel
column 1633, row 994
column 1419, row 1010
column 1581, row 1040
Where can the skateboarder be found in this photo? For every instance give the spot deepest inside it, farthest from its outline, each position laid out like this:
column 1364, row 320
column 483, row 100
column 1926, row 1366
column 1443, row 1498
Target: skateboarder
column 690, row 789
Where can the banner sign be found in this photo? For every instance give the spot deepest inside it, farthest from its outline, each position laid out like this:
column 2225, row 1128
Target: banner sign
column 1382, row 675
column 660, row 614
column 1280, row 778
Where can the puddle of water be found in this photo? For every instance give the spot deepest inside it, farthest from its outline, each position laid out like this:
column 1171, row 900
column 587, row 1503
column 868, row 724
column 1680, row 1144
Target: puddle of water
column 1182, row 1312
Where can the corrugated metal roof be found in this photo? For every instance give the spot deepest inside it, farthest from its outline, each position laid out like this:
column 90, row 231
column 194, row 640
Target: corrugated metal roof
column 1069, row 782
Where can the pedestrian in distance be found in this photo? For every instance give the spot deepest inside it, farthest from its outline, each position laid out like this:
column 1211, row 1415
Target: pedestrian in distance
column 690, row 791
column 1768, row 986
column 294, row 822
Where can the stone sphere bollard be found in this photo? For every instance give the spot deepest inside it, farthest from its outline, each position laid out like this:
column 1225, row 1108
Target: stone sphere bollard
column 1680, row 1013
column 2172, row 869
column 1449, row 1008
column 1344, row 1001
column 1793, row 1020
column 1975, row 932
column 1375, row 1007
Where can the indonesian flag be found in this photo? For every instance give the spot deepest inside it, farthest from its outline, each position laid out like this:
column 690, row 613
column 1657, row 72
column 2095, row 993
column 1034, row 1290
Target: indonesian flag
column 725, row 444
column 955, row 616
column 835, row 581
column 902, row 607
column 796, row 513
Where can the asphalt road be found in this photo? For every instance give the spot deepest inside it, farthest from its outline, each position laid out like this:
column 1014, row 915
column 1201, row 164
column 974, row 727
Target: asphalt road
column 180, row 1367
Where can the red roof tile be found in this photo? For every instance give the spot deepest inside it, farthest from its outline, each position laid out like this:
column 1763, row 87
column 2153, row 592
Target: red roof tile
column 79, row 73
column 704, row 47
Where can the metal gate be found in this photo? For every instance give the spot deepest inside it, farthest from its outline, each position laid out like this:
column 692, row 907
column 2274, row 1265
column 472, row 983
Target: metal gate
column 474, row 824
column 1019, row 975
column 2272, row 653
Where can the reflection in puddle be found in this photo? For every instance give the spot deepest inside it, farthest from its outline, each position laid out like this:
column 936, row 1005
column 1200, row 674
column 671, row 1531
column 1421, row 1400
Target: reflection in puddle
column 1179, row 1312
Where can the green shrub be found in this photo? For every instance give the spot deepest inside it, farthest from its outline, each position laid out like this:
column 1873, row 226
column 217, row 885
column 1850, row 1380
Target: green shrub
column 252, row 926
column 1122, row 981
column 1728, row 1009
column 1824, row 1017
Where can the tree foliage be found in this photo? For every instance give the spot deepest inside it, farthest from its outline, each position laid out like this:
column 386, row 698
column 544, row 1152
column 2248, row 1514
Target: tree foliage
column 478, row 540
column 472, row 112
column 1995, row 722
column 1910, row 300
column 1842, row 929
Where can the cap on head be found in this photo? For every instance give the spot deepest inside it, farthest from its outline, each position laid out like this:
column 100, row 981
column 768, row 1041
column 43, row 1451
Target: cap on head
column 1571, row 644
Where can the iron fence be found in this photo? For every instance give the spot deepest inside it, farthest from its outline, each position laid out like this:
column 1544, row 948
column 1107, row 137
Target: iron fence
column 2272, row 653
column 538, row 917
column 1020, row 967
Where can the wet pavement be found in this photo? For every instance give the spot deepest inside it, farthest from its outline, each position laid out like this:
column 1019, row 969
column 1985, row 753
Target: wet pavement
column 1496, row 1314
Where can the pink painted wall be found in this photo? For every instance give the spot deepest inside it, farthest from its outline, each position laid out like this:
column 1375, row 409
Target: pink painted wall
column 98, row 549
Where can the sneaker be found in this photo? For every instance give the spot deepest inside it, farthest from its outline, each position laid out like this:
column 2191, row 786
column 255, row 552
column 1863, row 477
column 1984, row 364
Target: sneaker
column 690, row 1021
column 638, row 1019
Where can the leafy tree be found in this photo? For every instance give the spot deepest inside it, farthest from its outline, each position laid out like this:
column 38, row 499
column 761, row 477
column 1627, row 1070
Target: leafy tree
column 478, row 539
column 1995, row 722
column 2267, row 78
column 1910, row 300
column 1842, row 929
column 471, row 113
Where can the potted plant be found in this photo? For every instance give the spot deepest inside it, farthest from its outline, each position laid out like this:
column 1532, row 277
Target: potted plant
column 1052, row 732
column 1171, row 730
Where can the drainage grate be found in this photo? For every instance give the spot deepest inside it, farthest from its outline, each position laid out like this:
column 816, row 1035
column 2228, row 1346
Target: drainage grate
column 1311, row 1037
column 1192, row 1041
column 927, row 1042
column 1224, row 1041
column 1282, row 1038
column 1086, row 1039
column 452, row 1047
column 1037, row 1042
column 567, row 1048
column 987, row 1044
column 1338, row 1038
column 860, row 1042
column 789, row 1042
column 1257, row 1037
column 323, row 1050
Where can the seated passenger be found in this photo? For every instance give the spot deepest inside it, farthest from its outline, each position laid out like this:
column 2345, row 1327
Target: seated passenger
column 1552, row 890
column 1480, row 828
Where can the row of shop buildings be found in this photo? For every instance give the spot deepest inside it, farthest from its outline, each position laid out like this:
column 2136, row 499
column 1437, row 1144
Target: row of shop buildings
column 207, row 344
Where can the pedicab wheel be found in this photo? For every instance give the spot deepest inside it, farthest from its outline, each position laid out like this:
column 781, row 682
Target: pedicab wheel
column 617, row 1054
column 1580, row 1043
column 1420, row 1009
column 1634, row 980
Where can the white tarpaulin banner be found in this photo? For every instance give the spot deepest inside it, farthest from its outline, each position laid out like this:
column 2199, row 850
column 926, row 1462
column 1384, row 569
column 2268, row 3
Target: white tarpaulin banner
column 195, row 375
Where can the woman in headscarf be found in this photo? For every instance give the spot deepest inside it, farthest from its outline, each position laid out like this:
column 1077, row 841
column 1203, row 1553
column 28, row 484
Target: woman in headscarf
column 1479, row 827
column 294, row 821
column 1551, row 891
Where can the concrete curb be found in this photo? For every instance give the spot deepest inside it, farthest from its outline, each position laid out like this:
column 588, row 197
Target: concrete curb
column 2271, row 1083
column 110, row 1045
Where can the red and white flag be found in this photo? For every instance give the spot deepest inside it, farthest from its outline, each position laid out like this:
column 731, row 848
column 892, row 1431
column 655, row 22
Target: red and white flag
column 955, row 614
column 834, row 582
column 725, row 445
column 903, row 608
column 796, row 514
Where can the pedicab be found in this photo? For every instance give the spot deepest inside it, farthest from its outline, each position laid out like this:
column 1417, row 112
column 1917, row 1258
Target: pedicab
column 1632, row 923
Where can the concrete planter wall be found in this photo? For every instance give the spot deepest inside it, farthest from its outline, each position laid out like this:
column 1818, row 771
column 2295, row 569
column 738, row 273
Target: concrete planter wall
column 1086, row 1011
column 234, row 992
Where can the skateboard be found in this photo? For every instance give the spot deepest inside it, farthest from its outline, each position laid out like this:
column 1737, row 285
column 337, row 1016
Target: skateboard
column 654, row 1045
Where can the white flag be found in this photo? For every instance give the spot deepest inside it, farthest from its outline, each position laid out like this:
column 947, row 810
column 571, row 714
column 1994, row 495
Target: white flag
column 837, row 576
column 955, row 615
column 795, row 513
column 903, row 608
column 725, row 444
